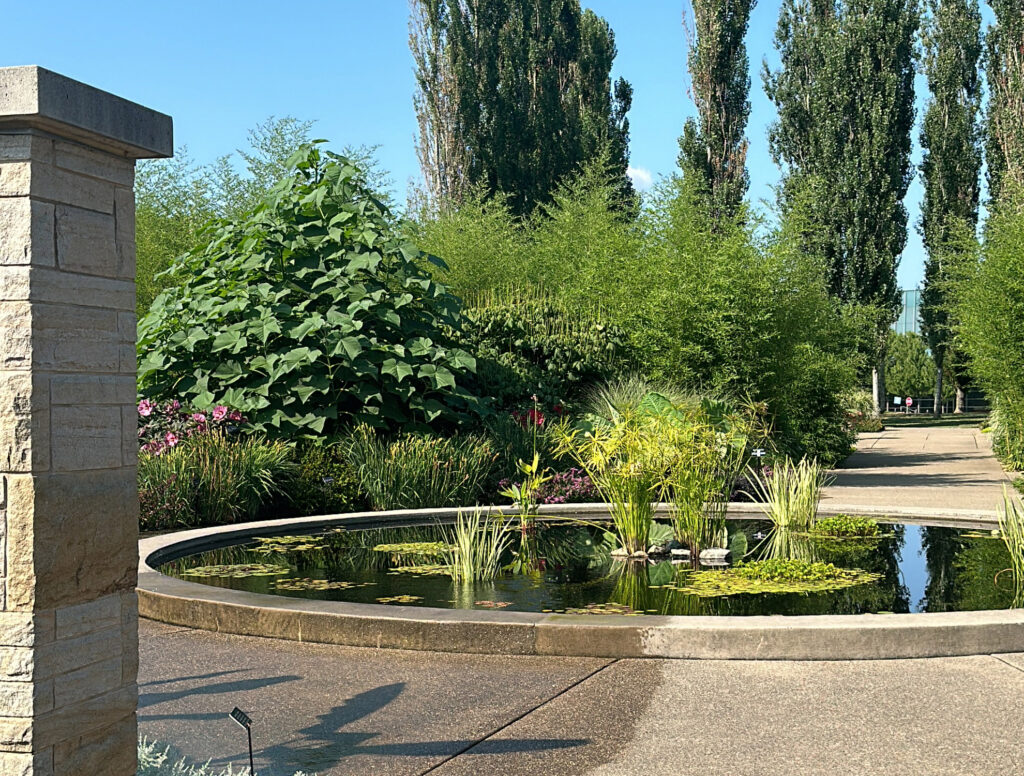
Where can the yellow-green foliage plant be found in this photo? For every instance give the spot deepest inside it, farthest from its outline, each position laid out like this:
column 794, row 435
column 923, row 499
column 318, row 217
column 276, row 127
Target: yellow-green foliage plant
column 708, row 442
column 626, row 460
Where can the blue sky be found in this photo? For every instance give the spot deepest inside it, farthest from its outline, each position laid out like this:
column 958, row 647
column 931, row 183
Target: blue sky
column 219, row 68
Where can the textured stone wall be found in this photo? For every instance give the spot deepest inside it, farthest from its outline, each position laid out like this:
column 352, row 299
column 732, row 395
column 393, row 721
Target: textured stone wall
column 68, row 501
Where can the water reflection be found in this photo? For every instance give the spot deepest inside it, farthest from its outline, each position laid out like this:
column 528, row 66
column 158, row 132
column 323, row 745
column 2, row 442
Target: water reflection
column 574, row 571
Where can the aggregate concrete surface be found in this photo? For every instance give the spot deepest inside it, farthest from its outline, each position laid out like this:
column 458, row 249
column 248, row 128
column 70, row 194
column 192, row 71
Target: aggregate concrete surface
column 344, row 710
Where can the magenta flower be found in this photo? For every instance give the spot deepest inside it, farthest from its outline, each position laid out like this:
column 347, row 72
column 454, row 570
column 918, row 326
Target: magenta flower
column 198, row 417
column 175, row 405
column 171, row 439
column 235, row 416
column 219, row 412
column 145, row 408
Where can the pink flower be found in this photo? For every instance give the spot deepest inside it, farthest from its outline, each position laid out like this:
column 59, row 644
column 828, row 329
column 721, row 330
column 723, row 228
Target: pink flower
column 171, row 439
column 145, row 408
column 219, row 412
column 175, row 405
column 198, row 417
column 235, row 416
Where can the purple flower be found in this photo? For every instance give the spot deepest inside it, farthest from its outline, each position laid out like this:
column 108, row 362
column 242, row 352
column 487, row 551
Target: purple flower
column 145, row 408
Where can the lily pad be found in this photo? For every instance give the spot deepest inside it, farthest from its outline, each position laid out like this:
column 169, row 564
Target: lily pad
column 317, row 584
column 399, row 599
column 237, row 571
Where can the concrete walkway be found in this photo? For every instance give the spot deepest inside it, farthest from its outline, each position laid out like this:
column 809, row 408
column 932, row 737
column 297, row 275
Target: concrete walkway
column 936, row 467
column 339, row 710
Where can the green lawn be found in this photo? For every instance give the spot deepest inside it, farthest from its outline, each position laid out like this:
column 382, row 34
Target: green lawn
column 902, row 420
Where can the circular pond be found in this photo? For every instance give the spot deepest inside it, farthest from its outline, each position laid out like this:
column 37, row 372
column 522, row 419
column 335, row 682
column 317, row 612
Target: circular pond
column 928, row 586
column 570, row 569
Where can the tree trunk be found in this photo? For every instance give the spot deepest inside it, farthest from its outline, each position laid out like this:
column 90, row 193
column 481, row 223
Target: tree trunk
column 961, row 400
column 878, row 389
column 937, row 409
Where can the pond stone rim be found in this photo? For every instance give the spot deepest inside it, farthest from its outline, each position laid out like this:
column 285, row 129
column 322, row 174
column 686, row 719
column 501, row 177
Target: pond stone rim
column 769, row 637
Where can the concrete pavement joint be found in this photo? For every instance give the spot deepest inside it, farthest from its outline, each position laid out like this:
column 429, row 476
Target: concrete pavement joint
column 522, row 716
column 1007, row 662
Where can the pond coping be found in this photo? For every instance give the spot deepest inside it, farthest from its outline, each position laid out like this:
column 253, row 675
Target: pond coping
column 769, row 637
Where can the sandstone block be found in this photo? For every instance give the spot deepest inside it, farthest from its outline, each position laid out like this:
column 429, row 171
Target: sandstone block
column 66, row 188
column 25, row 699
column 110, row 751
column 124, row 213
column 26, row 145
column 15, row 179
column 26, row 629
column 92, row 389
column 96, row 164
column 64, row 288
column 85, row 437
column 89, row 682
column 85, row 242
column 104, row 613
column 129, row 436
column 15, row 735
column 24, row 422
column 15, row 335
column 71, row 537
column 14, row 284
column 26, row 232
column 73, row 339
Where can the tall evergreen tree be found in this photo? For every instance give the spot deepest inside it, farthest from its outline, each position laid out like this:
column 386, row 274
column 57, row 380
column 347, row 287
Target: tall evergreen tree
column 845, row 98
column 713, row 148
column 513, row 95
column 951, row 139
column 1004, row 70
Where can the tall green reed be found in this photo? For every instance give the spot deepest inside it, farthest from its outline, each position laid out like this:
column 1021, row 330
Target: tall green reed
column 223, row 480
column 1011, row 528
column 417, row 472
column 476, row 544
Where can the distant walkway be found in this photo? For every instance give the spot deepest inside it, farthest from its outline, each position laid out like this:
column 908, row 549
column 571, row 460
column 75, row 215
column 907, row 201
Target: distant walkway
column 940, row 467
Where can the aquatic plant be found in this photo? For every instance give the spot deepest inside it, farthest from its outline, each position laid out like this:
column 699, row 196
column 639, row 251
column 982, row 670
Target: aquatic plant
column 477, row 543
column 237, row 571
column 399, row 599
column 626, row 460
column 1011, row 528
column 791, row 493
column 841, row 526
column 305, row 583
column 772, row 576
column 269, row 545
column 414, row 471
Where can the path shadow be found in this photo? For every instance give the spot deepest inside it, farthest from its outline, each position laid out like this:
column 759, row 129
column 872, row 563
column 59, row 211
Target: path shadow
column 325, row 745
column 147, row 699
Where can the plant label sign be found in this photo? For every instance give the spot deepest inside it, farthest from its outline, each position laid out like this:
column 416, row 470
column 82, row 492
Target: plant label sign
column 897, row 400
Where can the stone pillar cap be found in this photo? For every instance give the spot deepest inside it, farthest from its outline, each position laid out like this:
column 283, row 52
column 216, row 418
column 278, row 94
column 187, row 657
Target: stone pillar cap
column 33, row 97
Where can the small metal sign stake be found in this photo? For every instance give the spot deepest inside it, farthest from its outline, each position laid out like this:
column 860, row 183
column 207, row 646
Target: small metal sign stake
column 758, row 453
column 243, row 719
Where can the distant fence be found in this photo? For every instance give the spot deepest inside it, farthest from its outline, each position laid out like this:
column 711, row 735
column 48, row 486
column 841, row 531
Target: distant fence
column 976, row 402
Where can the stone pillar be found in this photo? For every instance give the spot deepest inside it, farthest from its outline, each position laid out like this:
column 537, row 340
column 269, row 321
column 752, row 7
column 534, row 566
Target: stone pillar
column 68, row 498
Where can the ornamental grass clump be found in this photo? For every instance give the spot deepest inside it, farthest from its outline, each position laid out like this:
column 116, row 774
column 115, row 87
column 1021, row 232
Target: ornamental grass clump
column 475, row 546
column 791, row 493
column 221, row 480
column 416, row 471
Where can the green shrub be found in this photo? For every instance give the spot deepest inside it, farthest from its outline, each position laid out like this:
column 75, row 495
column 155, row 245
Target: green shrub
column 859, row 406
column 325, row 482
column 415, row 471
column 222, row 480
column 1007, row 424
column 845, row 525
column 529, row 346
column 157, row 760
column 311, row 313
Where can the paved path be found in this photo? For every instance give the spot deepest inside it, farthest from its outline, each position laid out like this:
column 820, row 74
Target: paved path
column 935, row 467
column 339, row 710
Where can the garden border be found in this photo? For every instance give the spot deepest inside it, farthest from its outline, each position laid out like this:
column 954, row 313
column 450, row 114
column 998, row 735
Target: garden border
column 822, row 637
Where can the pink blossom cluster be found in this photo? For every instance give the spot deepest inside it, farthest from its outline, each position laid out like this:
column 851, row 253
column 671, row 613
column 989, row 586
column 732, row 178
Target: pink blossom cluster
column 163, row 426
column 568, row 487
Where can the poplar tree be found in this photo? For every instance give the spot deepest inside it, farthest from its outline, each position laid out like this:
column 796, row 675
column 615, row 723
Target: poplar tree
column 845, row 98
column 713, row 147
column 1004, row 71
column 951, row 139
column 512, row 95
